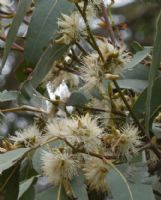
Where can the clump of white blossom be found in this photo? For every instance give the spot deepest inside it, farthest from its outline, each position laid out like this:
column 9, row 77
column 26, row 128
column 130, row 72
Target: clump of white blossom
column 58, row 166
column 28, row 137
column 123, row 142
column 95, row 171
column 70, row 28
column 83, row 132
column 94, row 71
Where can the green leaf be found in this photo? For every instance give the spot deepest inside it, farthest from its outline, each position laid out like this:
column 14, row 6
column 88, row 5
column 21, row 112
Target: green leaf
column 8, row 159
column 134, row 84
column 24, row 186
column 138, row 57
column 136, row 46
column 77, row 99
column 26, row 170
column 8, row 95
column 12, row 187
column 79, row 188
column 36, row 160
column 46, row 62
column 23, row 6
column 152, row 74
column 29, row 96
column 29, row 194
column 43, row 27
column 139, row 72
column 119, row 188
column 139, row 107
column 51, row 194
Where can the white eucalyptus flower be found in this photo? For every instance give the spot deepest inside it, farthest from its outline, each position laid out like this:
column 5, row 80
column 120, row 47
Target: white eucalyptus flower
column 115, row 57
column 58, row 166
column 128, row 140
column 95, row 171
column 91, row 72
column 28, row 137
column 85, row 132
column 57, row 127
column 70, row 28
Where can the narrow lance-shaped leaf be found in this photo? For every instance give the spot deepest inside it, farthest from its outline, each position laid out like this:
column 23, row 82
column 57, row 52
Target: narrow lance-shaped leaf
column 8, row 159
column 45, row 63
column 139, row 107
column 12, row 186
column 20, row 13
column 43, row 27
column 24, row 186
column 153, row 72
column 119, row 188
column 138, row 57
column 8, row 95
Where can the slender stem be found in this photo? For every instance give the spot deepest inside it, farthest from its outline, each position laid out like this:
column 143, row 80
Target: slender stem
column 68, row 70
column 59, row 192
column 101, row 110
column 108, row 27
column 23, row 109
column 89, row 32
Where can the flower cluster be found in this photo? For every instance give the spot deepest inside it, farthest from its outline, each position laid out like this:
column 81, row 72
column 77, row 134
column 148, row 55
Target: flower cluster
column 82, row 132
column 124, row 142
column 28, row 137
column 70, row 28
column 94, row 71
column 83, row 139
column 58, row 166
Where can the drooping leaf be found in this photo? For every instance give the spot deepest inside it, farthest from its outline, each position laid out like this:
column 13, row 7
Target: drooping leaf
column 23, row 6
column 45, row 63
column 26, row 170
column 8, row 159
column 119, row 188
column 139, row 72
column 36, row 160
column 24, row 186
column 43, row 27
column 26, row 189
column 8, row 95
column 12, row 187
column 139, row 107
column 152, row 74
column 29, row 96
column 136, row 46
column 29, row 194
column 134, row 84
column 138, row 57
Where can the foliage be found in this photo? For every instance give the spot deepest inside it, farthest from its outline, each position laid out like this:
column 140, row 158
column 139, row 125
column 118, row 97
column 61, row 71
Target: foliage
column 96, row 131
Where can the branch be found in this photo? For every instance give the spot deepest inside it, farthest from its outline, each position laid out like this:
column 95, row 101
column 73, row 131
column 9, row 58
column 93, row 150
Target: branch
column 24, row 108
